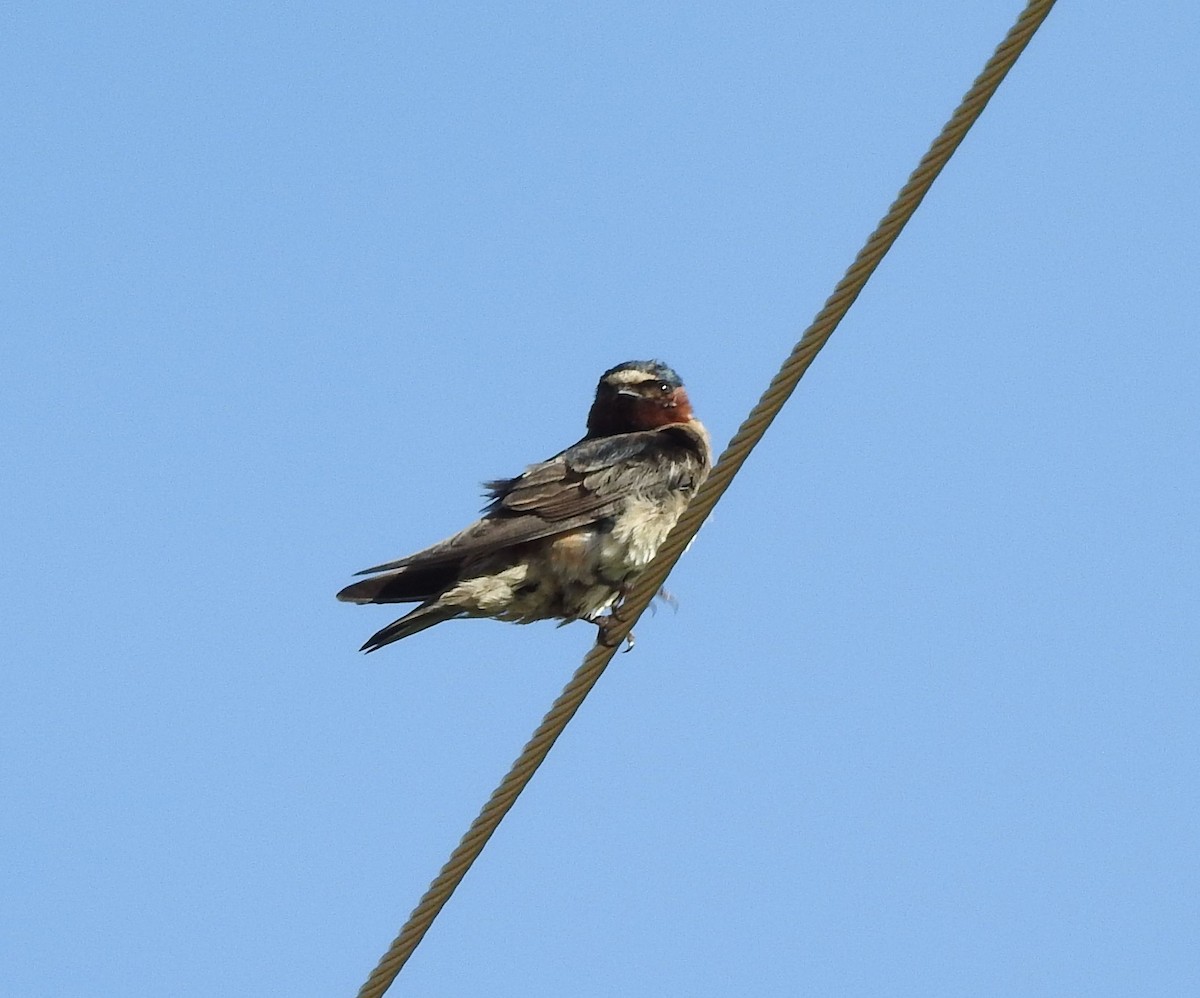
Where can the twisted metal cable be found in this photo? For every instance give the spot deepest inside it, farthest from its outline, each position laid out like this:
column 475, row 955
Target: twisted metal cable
column 747, row 436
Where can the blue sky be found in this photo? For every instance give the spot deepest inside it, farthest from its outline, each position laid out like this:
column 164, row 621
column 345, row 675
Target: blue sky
column 282, row 286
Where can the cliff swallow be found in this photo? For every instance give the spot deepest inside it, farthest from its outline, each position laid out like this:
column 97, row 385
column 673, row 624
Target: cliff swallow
column 565, row 538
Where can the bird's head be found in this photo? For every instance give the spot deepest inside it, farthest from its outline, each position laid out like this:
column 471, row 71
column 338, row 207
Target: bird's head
column 638, row 395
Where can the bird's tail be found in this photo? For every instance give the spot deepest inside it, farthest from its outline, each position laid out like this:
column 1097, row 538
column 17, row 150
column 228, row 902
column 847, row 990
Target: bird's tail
column 419, row 619
column 416, row 584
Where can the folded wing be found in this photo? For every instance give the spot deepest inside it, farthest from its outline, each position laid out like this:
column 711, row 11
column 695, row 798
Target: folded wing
column 584, row 484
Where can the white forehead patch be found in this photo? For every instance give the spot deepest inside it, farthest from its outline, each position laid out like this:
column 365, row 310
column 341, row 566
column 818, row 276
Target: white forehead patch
column 628, row 377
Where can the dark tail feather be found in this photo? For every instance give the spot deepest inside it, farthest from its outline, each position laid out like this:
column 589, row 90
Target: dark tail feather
column 412, row 585
column 420, row 618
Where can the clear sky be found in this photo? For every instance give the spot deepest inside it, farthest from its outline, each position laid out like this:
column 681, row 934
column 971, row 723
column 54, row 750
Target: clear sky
column 280, row 288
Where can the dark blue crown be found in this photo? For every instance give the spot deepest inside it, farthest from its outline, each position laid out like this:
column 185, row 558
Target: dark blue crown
column 651, row 368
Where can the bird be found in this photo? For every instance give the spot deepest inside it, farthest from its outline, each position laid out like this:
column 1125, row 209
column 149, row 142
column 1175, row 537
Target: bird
column 566, row 538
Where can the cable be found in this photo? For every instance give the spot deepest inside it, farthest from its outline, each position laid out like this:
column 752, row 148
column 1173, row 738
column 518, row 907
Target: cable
column 734, row 456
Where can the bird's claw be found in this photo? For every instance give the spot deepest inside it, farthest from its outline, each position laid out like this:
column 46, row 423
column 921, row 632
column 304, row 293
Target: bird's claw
column 604, row 637
column 667, row 597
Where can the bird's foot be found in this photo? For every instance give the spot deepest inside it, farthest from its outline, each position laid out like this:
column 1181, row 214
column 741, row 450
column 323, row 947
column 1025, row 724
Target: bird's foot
column 605, row 626
column 667, row 597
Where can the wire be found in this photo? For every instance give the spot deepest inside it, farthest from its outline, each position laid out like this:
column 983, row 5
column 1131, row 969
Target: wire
column 734, row 456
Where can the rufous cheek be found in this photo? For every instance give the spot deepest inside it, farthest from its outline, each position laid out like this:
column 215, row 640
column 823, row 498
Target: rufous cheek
column 652, row 414
column 683, row 406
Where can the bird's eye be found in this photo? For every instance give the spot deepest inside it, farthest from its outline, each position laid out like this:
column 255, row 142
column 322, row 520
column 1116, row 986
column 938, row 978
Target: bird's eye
column 663, row 387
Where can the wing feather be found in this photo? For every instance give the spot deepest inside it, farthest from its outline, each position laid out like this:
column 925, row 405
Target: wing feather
column 584, row 483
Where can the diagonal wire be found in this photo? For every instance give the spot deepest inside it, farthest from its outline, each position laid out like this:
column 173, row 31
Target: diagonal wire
column 747, row 436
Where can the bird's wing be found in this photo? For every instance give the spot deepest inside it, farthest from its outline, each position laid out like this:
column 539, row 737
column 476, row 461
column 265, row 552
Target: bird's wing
column 585, row 483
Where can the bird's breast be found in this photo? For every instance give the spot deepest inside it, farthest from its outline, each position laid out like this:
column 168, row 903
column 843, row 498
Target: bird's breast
column 580, row 573
column 636, row 535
